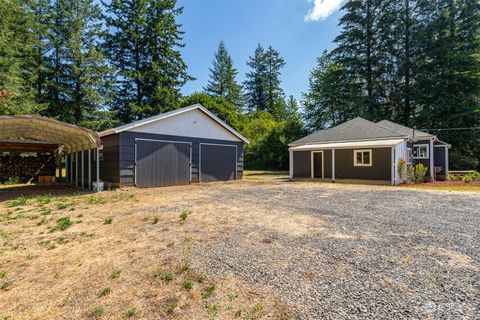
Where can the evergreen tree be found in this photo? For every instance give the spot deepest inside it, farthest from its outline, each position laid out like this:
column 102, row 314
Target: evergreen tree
column 333, row 96
column 143, row 47
column 262, row 85
column 222, row 81
column 16, row 59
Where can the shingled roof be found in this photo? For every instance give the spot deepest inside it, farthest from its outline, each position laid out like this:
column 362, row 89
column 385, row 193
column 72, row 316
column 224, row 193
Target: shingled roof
column 353, row 130
column 402, row 129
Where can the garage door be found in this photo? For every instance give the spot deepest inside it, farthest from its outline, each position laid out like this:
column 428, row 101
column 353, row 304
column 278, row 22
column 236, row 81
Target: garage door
column 162, row 163
column 217, row 162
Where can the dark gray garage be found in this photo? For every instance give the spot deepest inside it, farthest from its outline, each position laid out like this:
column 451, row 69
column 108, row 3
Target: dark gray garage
column 188, row 145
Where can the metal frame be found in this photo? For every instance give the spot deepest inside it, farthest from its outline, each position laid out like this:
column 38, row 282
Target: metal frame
column 312, row 167
column 215, row 144
column 159, row 140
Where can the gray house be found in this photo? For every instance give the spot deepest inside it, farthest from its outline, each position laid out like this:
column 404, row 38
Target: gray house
column 363, row 150
column 183, row 146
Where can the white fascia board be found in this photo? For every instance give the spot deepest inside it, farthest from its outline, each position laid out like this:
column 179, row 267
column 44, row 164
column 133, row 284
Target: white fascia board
column 162, row 116
column 347, row 145
column 341, row 141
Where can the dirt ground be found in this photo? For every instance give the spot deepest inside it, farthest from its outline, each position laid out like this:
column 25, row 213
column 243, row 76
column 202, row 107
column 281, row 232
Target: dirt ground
column 240, row 250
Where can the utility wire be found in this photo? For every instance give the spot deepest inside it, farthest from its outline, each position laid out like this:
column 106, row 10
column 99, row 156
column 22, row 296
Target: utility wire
column 450, row 129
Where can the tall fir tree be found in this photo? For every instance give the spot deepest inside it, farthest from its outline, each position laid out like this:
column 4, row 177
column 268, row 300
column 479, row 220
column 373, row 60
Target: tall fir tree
column 222, row 81
column 16, row 59
column 143, row 46
column 262, row 84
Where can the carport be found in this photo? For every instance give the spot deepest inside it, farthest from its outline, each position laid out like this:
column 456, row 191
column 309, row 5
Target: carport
column 34, row 133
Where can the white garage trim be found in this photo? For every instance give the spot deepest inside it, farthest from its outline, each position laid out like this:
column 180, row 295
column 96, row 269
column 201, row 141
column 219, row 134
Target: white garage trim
column 214, row 144
column 166, row 141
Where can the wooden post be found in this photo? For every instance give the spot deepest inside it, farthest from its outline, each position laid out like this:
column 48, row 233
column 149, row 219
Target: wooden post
column 98, row 168
column 333, row 165
column 71, row 168
column 89, row 169
column 83, row 170
column 66, row 167
column 76, row 169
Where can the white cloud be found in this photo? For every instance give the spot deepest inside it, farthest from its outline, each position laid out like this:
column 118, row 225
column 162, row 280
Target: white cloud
column 322, row 9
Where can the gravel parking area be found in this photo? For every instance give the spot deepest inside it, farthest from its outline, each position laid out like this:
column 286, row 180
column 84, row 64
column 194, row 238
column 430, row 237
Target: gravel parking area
column 340, row 251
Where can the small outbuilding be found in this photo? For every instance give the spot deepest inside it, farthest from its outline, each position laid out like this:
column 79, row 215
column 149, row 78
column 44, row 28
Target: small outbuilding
column 187, row 145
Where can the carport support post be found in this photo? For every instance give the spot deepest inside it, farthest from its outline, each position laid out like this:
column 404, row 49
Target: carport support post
column 333, row 165
column 98, row 167
column 71, row 168
column 83, row 170
column 76, row 169
column 89, row 169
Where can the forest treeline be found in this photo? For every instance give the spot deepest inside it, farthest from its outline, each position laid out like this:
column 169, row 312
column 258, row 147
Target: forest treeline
column 415, row 62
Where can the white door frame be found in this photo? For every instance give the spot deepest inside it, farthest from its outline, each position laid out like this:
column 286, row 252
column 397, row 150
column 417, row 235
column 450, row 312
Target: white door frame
column 312, row 167
column 156, row 140
column 215, row 144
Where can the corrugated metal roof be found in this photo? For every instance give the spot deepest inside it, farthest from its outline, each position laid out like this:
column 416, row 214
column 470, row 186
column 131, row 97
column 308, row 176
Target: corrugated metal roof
column 353, row 130
column 352, row 144
column 34, row 127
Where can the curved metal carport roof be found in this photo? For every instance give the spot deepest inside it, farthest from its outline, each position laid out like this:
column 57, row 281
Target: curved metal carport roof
column 34, row 127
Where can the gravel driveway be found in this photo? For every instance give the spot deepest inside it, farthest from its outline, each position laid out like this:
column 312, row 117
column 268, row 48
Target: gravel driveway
column 338, row 251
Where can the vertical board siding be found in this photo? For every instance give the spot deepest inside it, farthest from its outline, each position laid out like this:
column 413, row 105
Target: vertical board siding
column 327, row 165
column 109, row 166
column 217, row 162
column 126, row 161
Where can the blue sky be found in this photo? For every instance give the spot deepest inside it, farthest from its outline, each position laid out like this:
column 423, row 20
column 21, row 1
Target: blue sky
column 299, row 29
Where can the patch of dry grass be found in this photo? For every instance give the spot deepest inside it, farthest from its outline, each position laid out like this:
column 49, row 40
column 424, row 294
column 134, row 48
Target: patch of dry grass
column 87, row 269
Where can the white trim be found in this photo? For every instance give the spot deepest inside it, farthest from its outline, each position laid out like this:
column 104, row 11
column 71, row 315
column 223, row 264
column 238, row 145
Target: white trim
column 350, row 145
column 393, row 166
column 166, row 115
column 421, row 145
column 355, row 164
column 312, row 168
column 409, row 158
column 431, row 154
column 446, row 162
column 89, row 169
column 348, row 141
column 156, row 140
column 333, row 165
column 290, row 164
column 215, row 144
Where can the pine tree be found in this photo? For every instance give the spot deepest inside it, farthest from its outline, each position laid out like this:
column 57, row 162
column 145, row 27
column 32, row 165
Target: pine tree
column 222, row 81
column 16, row 59
column 262, row 85
column 333, row 96
column 143, row 47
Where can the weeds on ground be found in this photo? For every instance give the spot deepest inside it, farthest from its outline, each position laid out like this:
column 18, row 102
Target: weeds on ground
column 86, row 234
column 232, row 296
column 155, row 220
column 170, row 305
column 184, row 214
column 170, row 244
column 185, row 263
column 115, row 273
column 97, row 311
column 131, row 312
column 96, row 200
column 164, row 276
column 62, row 224
column 105, row 291
column 44, row 199
column 108, row 221
column 256, row 312
column 17, row 202
column 208, row 292
column 213, row 309
column 187, row 285
column 65, row 205
column 3, row 274
column 6, row 285
column 48, row 244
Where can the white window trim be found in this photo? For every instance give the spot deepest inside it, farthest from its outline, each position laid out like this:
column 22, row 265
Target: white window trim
column 409, row 155
column 421, row 145
column 355, row 164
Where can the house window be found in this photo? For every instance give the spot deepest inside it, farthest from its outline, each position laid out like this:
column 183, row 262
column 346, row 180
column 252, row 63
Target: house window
column 420, row 151
column 362, row 158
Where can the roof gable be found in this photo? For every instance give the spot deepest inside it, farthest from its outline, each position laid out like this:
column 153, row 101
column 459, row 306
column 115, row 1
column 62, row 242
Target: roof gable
column 353, row 130
column 165, row 118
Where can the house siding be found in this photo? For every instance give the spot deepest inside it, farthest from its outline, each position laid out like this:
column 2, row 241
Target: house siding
column 381, row 168
column 301, row 164
column 126, row 161
column 109, row 166
column 425, row 162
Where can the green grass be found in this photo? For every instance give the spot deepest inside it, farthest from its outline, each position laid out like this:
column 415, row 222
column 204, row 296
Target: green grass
column 448, row 188
column 115, row 273
column 208, row 291
column 62, row 224
column 164, row 276
column 264, row 173
column 108, row 221
column 131, row 312
column 105, row 291
column 20, row 201
column 97, row 311
column 44, row 199
column 96, row 200
column 187, row 285
column 184, row 214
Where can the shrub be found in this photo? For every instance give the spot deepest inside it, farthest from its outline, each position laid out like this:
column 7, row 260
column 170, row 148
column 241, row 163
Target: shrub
column 410, row 174
column 12, row 180
column 469, row 178
column 451, row 177
column 185, row 214
column 20, row 201
column 402, row 169
column 420, row 171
